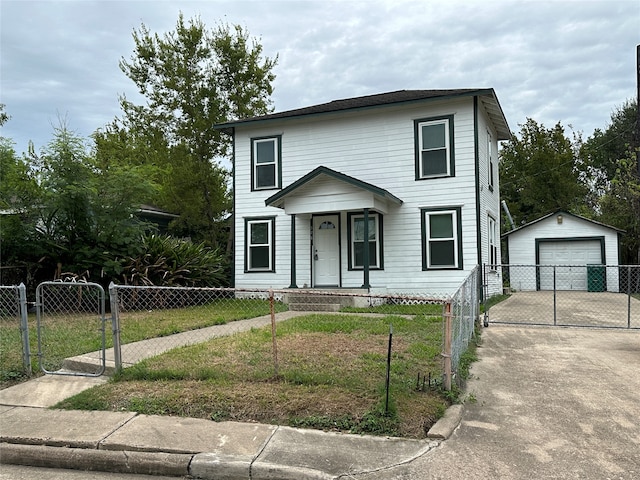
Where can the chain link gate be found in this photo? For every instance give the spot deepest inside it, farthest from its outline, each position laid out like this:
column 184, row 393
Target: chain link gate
column 65, row 307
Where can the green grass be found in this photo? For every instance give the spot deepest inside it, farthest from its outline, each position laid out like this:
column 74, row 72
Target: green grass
column 331, row 372
column 491, row 301
column 398, row 309
column 73, row 334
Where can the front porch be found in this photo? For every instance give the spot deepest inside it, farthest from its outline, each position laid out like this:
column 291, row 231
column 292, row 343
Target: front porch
column 345, row 221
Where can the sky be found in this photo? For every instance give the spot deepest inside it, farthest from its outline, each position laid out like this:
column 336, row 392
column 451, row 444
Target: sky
column 566, row 61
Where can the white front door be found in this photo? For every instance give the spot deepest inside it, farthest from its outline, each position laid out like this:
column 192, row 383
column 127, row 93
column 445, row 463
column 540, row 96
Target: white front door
column 326, row 251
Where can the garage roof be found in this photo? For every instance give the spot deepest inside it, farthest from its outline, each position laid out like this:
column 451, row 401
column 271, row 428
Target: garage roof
column 561, row 212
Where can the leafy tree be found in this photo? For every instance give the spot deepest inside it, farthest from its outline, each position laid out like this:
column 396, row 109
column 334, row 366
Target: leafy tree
column 193, row 78
column 19, row 191
column 611, row 160
column 602, row 150
column 69, row 211
column 540, row 174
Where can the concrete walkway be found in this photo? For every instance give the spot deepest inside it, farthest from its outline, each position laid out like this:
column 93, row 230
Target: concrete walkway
column 544, row 403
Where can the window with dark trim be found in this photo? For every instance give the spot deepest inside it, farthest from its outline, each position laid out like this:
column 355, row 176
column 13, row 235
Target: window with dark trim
column 357, row 242
column 493, row 241
column 441, row 238
column 259, row 244
column 266, row 169
column 434, row 147
column 490, row 161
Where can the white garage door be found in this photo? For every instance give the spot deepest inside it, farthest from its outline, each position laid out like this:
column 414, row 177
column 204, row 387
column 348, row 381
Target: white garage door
column 571, row 258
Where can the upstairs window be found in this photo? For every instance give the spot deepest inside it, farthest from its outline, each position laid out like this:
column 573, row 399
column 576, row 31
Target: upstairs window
column 441, row 239
column 434, row 147
column 490, row 160
column 357, row 242
column 265, row 163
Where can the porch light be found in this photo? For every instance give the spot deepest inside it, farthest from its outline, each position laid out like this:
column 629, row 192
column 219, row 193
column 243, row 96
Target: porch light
column 559, row 219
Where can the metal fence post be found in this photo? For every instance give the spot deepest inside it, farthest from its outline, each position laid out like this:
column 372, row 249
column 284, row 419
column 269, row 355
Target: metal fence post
column 555, row 317
column 272, row 313
column 629, row 296
column 115, row 325
column 24, row 329
column 447, row 346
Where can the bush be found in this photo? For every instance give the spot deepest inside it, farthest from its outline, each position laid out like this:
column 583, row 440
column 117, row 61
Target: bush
column 169, row 261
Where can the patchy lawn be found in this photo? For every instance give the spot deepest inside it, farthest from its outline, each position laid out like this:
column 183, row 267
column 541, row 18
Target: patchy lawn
column 329, row 373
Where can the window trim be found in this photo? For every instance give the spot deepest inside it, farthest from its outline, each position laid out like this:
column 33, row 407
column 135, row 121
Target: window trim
column 491, row 166
column 447, row 120
column 378, row 218
column 425, row 213
column 277, row 161
column 492, row 237
column 271, row 232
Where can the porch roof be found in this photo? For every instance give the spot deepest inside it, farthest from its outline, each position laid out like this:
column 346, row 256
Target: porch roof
column 309, row 194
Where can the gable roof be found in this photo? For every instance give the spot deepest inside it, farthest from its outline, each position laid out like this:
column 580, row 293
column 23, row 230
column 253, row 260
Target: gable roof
column 487, row 96
column 277, row 200
column 562, row 212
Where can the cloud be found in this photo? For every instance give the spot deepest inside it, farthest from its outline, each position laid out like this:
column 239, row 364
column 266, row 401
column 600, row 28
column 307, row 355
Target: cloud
column 554, row 61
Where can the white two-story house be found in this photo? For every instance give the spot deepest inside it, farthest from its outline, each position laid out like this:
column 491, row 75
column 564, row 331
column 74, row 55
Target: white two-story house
column 395, row 192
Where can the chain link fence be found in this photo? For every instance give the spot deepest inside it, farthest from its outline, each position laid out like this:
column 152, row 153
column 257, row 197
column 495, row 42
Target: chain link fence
column 71, row 325
column 15, row 353
column 71, row 320
column 465, row 308
column 605, row 296
column 151, row 320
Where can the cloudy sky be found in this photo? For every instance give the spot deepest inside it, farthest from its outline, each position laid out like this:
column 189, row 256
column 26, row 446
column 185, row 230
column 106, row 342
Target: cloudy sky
column 565, row 61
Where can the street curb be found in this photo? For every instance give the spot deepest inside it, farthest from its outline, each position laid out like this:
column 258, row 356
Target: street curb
column 201, row 465
column 444, row 427
column 142, row 463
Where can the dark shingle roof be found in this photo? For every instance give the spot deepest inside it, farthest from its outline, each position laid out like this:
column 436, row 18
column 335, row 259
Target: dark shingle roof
column 490, row 102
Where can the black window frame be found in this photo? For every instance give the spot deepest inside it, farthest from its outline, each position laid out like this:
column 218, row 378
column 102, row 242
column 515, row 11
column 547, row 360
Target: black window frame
column 277, row 162
column 271, row 232
column 490, row 162
column 425, row 213
column 450, row 148
column 351, row 216
column 492, row 241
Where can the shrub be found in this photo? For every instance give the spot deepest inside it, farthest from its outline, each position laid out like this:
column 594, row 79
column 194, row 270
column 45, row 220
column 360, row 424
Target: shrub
column 169, row 261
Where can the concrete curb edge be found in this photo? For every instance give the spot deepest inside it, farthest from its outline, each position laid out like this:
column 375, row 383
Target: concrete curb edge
column 444, row 427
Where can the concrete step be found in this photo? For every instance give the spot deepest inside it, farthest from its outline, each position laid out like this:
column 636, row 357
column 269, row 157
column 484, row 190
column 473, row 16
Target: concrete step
column 314, row 307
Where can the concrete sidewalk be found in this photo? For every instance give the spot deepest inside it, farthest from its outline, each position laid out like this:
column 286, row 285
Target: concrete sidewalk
column 131, row 443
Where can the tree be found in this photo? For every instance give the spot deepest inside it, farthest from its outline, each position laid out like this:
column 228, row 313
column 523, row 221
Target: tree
column 193, row 78
column 70, row 212
column 19, row 191
column 540, row 174
column 611, row 159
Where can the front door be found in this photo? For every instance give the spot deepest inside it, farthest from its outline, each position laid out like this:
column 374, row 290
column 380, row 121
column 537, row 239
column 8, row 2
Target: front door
column 326, row 251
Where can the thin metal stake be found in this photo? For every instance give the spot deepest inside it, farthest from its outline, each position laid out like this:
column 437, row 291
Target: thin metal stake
column 386, row 404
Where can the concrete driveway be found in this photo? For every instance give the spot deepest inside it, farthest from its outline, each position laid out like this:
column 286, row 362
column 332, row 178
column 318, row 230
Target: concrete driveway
column 595, row 309
column 544, row 403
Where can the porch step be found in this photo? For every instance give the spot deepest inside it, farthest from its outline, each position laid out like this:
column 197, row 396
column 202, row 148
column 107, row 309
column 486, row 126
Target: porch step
column 309, row 301
column 314, row 307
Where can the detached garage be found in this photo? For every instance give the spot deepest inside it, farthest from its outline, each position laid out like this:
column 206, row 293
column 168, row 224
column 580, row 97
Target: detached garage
column 563, row 250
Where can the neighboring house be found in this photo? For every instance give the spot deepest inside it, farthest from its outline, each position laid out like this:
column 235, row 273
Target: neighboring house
column 574, row 244
column 156, row 216
column 395, row 192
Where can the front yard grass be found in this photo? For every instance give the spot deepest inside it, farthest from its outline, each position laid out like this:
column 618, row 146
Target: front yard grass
column 70, row 334
column 331, row 375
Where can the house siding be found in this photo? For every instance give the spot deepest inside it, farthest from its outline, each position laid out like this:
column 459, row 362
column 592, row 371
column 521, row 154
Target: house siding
column 377, row 147
column 489, row 200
